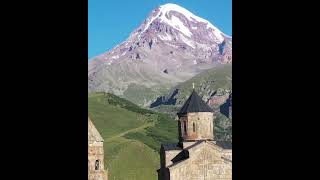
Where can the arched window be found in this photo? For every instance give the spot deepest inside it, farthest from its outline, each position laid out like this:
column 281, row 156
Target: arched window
column 185, row 127
column 97, row 165
column 194, row 127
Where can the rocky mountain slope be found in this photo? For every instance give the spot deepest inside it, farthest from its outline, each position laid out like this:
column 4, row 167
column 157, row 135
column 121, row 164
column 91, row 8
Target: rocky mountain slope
column 171, row 46
column 213, row 85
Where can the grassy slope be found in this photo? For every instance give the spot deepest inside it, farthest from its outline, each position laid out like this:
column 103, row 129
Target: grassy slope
column 130, row 159
column 113, row 119
column 130, row 151
column 164, row 131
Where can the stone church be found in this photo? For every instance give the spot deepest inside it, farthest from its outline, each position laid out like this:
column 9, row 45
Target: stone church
column 197, row 155
column 96, row 169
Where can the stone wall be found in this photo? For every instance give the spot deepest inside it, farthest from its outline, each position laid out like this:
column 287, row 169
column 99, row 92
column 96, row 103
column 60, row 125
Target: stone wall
column 96, row 153
column 204, row 163
column 198, row 126
column 227, row 153
column 170, row 155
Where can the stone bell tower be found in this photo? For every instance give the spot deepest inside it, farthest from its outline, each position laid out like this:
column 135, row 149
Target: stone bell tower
column 96, row 170
column 195, row 120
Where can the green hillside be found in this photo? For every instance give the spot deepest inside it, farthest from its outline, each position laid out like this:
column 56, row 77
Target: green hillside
column 132, row 136
column 142, row 95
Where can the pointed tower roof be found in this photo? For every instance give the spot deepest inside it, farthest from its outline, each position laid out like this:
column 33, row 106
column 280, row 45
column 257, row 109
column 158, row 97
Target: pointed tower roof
column 194, row 104
column 93, row 134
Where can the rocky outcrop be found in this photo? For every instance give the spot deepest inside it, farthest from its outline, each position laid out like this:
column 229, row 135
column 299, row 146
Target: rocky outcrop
column 166, row 100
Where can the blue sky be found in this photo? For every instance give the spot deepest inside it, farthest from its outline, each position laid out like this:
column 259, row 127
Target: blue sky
column 111, row 21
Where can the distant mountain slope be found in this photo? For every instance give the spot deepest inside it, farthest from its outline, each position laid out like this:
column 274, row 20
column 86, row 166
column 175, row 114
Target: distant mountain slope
column 171, row 46
column 209, row 84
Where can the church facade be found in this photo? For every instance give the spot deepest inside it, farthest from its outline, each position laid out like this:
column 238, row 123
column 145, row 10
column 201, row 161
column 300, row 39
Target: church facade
column 96, row 169
column 197, row 155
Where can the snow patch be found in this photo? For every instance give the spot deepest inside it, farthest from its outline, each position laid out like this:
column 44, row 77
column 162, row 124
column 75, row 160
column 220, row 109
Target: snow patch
column 166, row 37
column 177, row 24
column 217, row 34
column 203, row 46
column 191, row 17
column 171, row 45
column 149, row 21
column 174, row 21
column 115, row 57
column 109, row 63
column 187, row 41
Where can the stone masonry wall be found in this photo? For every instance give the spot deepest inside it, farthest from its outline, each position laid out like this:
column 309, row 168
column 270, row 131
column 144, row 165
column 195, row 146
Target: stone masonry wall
column 95, row 152
column 206, row 164
column 203, row 122
column 170, row 155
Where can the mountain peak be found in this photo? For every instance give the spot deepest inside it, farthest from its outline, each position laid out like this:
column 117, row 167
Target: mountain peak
column 166, row 8
column 180, row 19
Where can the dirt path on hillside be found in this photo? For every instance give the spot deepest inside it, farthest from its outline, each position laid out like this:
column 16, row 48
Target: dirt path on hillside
column 129, row 131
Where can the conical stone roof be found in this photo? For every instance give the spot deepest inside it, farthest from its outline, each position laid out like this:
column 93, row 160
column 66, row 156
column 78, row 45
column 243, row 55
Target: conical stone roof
column 194, row 104
column 93, row 134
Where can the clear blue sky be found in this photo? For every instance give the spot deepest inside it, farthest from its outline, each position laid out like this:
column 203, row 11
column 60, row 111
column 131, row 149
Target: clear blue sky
column 111, row 21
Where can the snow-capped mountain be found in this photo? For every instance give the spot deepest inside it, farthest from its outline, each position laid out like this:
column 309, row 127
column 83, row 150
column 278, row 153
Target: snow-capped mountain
column 170, row 46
